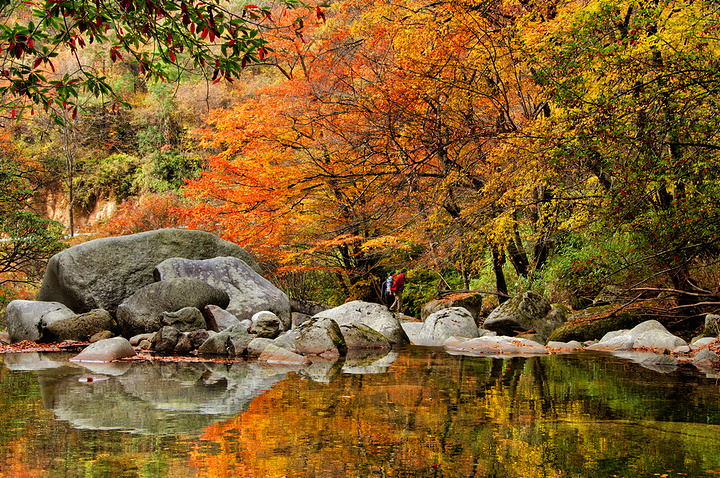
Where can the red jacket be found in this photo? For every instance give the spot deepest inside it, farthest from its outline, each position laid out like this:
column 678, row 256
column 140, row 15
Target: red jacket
column 398, row 283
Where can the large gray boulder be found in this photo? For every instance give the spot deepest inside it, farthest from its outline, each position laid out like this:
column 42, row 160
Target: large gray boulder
column 143, row 311
column 375, row 316
column 248, row 291
column 101, row 273
column 522, row 313
column 24, row 318
column 445, row 323
column 650, row 335
column 79, row 327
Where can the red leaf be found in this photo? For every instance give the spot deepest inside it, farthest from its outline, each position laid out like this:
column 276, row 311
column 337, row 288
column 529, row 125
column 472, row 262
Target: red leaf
column 37, row 62
column 13, row 113
column 204, row 33
column 172, row 56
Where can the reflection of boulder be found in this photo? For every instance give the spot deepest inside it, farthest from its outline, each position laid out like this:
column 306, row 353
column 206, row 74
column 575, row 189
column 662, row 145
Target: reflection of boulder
column 369, row 361
column 152, row 397
column 103, row 272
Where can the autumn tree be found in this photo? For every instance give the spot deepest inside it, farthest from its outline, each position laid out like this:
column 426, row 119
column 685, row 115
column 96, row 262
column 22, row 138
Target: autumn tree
column 634, row 111
column 26, row 239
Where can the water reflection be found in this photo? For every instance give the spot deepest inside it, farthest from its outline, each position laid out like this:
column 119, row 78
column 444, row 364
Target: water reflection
column 413, row 412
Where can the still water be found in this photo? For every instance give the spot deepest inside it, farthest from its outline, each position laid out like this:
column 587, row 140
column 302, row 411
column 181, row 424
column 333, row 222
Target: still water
column 414, row 412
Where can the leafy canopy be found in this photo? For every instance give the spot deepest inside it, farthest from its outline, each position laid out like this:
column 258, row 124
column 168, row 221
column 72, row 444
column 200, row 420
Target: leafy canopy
column 161, row 38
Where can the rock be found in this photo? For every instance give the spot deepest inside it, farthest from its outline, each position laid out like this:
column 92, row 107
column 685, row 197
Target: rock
column 105, row 351
column 360, row 336
column 572, row 345
column 183, row 345
column 712, row 325
column 706, row 354
column 472, row 302
column 142, row 312
column 412, row 330
column 219, row 319
column 593, row 323
column 186, row 319
column 101, row 273
column 102, row 335
column 135, row 340
column 232, row 342
column 248, row 291
column 322, row 337
column 238, row 340
column 79, row 327
column 486, row 333
column 4, row 337
column 197, row 338
column 649, row 335
column 277, row 355
column 525, row 312
column 257, row 345
column 165, row 340
column 266, row 325
column 298, row 318
column 494, row 346
column 439, row 326
column 700, row 342
column 375, row 316
column 24, row 317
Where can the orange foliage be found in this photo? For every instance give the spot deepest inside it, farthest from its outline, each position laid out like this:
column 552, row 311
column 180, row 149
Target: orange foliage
column 147, row 213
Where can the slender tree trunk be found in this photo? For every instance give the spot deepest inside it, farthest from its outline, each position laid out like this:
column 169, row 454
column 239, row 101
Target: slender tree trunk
column 517, row 255
column 498, row 258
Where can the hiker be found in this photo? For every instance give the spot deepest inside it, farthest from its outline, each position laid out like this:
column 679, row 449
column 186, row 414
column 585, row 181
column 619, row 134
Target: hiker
column 397, row 290
column 385, row 291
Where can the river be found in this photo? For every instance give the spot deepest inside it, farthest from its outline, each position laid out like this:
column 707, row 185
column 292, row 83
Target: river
column 415, row 412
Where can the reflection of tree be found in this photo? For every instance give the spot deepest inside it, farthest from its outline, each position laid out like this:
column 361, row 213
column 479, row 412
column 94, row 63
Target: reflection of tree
column 438, row 415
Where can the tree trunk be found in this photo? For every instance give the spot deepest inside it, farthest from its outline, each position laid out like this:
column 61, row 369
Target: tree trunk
column 517, row 255
column 498, row 258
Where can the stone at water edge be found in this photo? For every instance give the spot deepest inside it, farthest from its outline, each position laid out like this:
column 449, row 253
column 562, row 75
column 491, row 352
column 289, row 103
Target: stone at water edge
column 106, row 351
column 375, row 316
column 360, row 336
column 445, row 323
column 24, row 318
column 320, row 337
column 273, row 354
